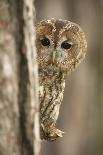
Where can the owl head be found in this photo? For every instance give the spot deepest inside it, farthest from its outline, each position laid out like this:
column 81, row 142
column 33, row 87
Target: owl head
column 61, row 45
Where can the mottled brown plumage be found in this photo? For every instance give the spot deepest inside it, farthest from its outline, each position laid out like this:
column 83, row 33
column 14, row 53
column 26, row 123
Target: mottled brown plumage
column 61, row 46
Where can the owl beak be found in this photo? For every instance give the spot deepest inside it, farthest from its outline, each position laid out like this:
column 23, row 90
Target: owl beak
column 53, row 56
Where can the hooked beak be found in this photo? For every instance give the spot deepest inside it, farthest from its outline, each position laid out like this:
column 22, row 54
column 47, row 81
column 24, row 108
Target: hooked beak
column 53, row 56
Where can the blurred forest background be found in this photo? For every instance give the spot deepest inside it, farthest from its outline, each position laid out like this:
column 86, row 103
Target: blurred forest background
column 81, row 113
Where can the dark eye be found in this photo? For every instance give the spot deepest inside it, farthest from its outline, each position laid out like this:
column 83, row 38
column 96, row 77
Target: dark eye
column 45, row 42
column 66, row 45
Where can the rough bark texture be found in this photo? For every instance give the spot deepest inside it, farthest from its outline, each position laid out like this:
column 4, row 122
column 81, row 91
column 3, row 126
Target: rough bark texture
column 19, row 122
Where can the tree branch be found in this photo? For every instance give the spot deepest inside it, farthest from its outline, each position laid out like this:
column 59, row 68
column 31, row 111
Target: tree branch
column 19, row 108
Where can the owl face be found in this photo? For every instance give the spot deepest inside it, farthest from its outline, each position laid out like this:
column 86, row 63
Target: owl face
column 60, row 44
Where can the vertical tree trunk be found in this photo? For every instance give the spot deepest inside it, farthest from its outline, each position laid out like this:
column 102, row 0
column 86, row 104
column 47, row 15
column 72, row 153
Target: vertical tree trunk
column 19, row 119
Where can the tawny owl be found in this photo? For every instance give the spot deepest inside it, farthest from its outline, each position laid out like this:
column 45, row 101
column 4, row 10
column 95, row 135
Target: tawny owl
column 61, row 46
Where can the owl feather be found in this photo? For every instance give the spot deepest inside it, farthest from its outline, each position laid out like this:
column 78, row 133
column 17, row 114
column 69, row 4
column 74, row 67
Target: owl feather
column 61, row 46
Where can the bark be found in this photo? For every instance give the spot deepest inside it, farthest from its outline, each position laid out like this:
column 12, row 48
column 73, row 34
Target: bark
column 19, row 116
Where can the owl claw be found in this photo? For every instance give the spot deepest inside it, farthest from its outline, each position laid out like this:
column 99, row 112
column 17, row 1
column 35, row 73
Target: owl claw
column 60, row 133
column 51, row 133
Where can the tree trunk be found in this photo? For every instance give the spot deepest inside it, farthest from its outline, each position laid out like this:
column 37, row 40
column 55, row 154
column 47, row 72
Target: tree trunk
column 19, row 116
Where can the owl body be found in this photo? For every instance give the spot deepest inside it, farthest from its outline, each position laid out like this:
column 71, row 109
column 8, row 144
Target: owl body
column 50, row 96
column 61, row 46
column 51, row 102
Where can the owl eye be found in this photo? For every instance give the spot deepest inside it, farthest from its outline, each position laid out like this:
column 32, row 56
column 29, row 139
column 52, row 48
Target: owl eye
column 45, row 42
column 66, row 45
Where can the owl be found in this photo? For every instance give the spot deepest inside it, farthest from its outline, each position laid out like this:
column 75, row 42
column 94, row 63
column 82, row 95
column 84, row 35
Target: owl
column 61, row 46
